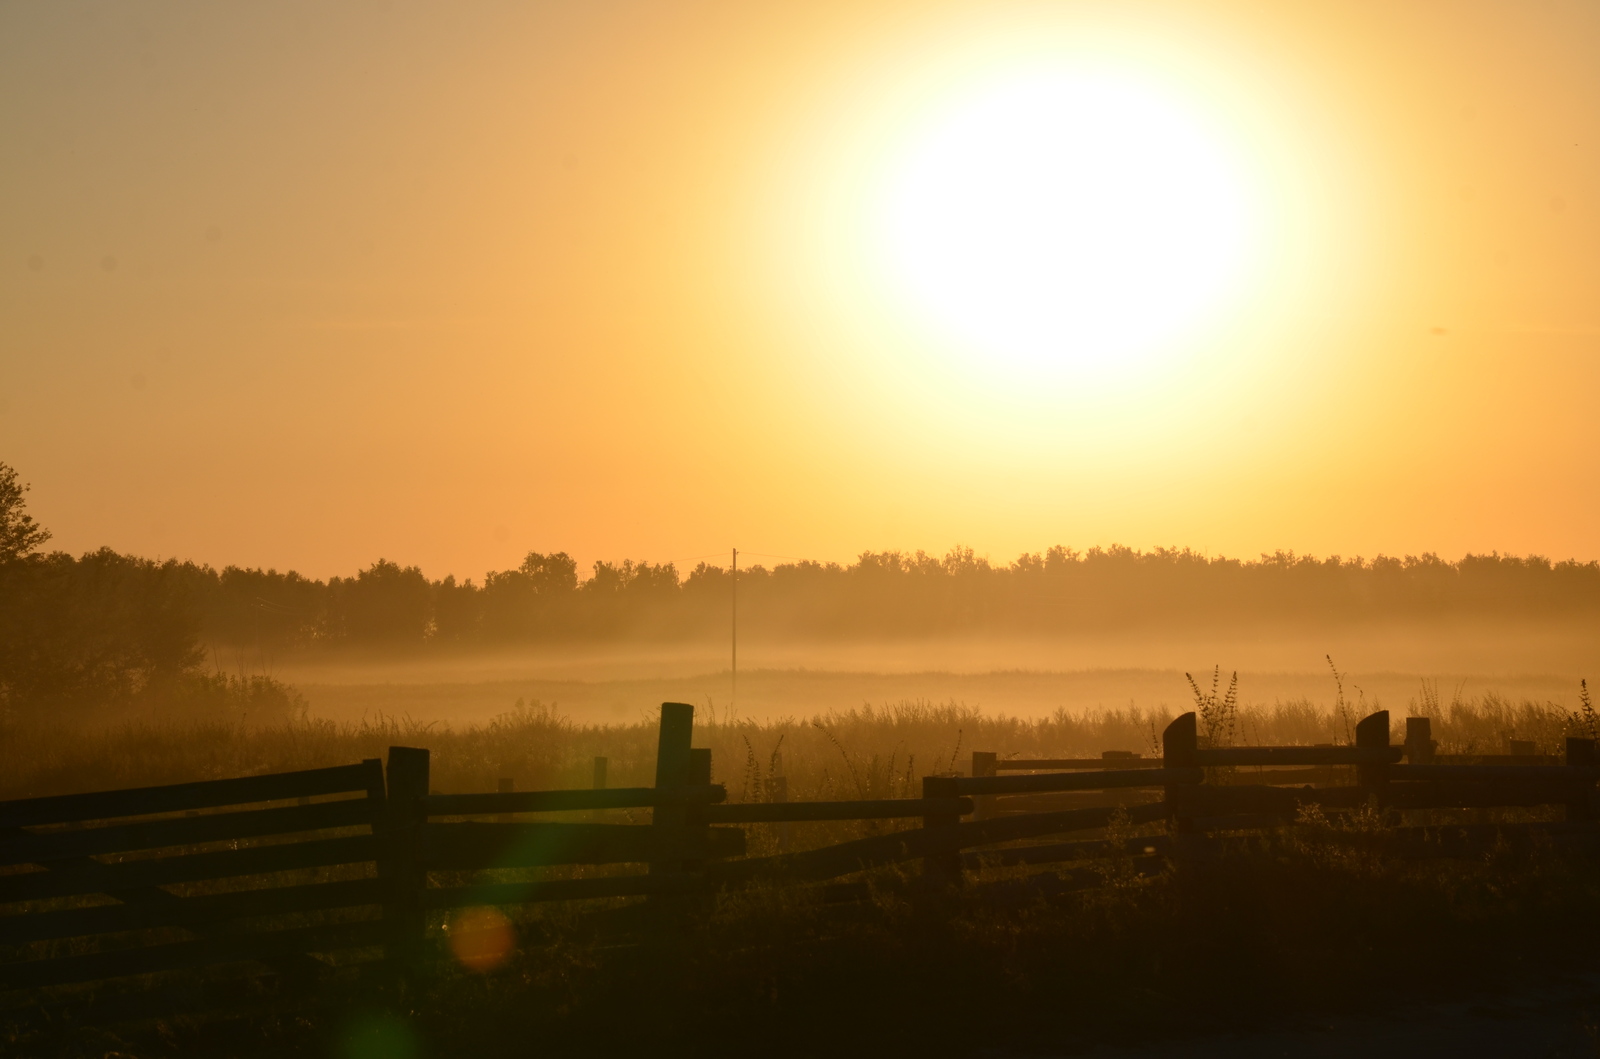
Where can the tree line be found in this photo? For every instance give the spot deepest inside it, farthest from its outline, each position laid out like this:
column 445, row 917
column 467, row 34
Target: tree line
column 106, row 624
column 880, row 594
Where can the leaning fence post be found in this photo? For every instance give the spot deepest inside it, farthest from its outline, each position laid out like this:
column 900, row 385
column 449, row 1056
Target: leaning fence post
column 944, row 867
column 672, row 770
column 1581, row 754
column 402, row 854
column 1179, row 746
column 1372, row 733
column 983, row 764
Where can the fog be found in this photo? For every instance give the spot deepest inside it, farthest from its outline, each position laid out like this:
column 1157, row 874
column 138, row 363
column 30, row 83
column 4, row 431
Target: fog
column 1384, row 664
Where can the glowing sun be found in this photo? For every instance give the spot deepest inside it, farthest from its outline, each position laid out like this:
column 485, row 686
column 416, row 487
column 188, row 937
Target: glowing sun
column 1063, row 221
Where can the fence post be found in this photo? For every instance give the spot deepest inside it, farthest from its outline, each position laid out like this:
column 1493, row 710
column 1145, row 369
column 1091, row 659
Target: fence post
column 695, row 815
column 1581, row 754
column 507, row 785
column 1372, row 733
column 700, row 767
column 983, row 764
column 672, row 770
column 600, row 764
column 408, row 784
column 942, row 869
column 1179, row 743
column 1419, row 741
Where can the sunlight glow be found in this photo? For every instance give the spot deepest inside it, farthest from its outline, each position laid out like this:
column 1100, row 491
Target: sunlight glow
column 1063, row 222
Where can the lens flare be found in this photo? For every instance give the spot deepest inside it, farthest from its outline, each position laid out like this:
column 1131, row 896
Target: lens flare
column 481, row 939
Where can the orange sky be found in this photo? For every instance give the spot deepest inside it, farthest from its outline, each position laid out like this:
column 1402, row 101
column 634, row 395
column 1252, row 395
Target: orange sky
column 299, row 285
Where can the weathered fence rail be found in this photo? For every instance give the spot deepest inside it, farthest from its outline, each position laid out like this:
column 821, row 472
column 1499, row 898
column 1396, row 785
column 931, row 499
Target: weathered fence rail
column 569, row 801
column 283, row 877
column 83, row 873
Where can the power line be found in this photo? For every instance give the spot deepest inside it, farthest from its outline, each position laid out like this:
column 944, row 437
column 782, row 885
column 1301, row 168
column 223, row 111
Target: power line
column 796, row 558
column 763, row 555
column 692, row 558
column 733, row 692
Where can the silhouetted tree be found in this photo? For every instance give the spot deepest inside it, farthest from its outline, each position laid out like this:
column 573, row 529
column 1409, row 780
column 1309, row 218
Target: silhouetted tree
column 385, row 603
column 20, row 535
column 261, row 609
column 550, row 575
column 105, row 628
column 457, row 610
column 98, row 631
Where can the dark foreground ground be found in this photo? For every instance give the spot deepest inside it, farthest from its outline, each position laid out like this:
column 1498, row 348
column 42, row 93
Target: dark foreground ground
column 1559, row 1020
column 1297, row 946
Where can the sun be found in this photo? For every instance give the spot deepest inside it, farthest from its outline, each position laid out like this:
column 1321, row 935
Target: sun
column 1063, row 221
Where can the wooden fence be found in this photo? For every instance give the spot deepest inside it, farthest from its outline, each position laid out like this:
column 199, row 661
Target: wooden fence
column 276, row 881
column 85, row 872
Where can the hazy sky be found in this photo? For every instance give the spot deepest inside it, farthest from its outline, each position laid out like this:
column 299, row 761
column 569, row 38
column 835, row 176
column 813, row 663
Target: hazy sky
column 302, row 284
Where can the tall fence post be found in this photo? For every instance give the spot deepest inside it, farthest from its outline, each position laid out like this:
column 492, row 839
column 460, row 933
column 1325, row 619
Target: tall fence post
column 983, row 764
column 1581, row 754
column 600, row 764
column 695, row 815
column 672, row 770
column 1419, row 741
column 1179, row 744
column 942, row 869
column 402, row 859
column 507, row 785
column 1372, row 733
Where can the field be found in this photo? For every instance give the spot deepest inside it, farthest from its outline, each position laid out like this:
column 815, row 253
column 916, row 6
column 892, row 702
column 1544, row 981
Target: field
column 686, row 528
column 1312, row 929
column 852, row 751
column 1015, row 675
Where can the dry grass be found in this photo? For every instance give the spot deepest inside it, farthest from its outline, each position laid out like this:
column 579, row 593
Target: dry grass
column 1292, row 926
column 873, row 751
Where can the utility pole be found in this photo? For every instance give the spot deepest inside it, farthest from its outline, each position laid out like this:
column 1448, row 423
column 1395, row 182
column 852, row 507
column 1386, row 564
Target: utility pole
column 734, row 694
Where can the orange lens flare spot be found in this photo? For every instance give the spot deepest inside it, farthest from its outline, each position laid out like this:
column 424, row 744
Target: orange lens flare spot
column 481, row 939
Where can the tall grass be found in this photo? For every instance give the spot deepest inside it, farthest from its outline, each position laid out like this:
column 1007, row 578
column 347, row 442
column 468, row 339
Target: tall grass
column 873, row 751
column 1288, row 927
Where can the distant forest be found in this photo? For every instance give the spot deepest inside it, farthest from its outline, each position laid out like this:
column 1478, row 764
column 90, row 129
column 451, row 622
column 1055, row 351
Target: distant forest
column 117, row 622
column 880, row 594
